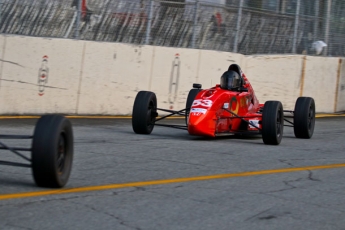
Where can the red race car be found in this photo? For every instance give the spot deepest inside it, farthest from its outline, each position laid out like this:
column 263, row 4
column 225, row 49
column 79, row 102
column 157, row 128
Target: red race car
column 229, row 108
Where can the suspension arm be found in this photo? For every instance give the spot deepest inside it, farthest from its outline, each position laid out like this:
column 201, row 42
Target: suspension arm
column 14, row 151
column 173, row 112
column 15, row 164
column 234, row 114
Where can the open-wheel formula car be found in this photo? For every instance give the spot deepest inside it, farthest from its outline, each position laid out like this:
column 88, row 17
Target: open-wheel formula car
column 51, row 151
column 229, row 108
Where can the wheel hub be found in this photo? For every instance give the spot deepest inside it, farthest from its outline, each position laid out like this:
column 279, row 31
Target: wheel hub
column 61, row 156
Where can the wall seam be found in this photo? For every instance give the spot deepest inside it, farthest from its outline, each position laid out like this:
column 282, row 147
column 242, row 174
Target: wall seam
column 337, row 85
column 152, row 65
column 304, row 64
column 80, row 78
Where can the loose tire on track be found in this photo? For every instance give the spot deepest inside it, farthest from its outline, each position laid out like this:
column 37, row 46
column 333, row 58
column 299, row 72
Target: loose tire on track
column 52, row 151
column 190, row 98
column 272, row 123
column 304, row 117
column 144, row 112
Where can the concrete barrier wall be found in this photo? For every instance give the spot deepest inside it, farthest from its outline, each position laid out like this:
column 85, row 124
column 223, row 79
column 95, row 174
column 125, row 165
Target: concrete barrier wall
column 173, row 74
column 39, row 75
column 213, row 64
column 103, row 78
column 112, row 75
column 2, row 56
column 275, row 77
column 320, row 82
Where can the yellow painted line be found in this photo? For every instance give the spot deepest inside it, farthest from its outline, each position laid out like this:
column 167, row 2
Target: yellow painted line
column 72, row 117
column 82, row 117
column 166, row 181
column 129, row 117
column 329, row 115
column 98, row 117
column 18, row 117
column 114, row 117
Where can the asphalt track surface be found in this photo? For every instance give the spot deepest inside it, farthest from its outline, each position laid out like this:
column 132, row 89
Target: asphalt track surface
column 170, row 180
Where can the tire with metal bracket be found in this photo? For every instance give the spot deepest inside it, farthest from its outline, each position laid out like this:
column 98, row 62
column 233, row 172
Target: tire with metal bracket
column 52, row 151
column 272, row 123
column 190, row 98
column 304, row 117
column 144, row 112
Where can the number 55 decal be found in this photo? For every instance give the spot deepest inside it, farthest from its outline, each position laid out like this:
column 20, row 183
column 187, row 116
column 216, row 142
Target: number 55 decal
column 204, row 103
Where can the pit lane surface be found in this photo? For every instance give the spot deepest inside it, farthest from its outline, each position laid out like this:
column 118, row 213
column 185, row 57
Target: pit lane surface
column 107, row 152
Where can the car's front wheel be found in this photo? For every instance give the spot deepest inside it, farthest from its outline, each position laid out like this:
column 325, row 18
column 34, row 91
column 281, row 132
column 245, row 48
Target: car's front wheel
column 190, row 98
column 144, row 112
column 304, row 117
column 52, row 151
column 272, row 122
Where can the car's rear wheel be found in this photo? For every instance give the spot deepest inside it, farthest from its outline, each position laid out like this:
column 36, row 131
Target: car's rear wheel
column 144, row 112
column 190, row 98
column 52, row 151
column 272, row 122
column 304, row 117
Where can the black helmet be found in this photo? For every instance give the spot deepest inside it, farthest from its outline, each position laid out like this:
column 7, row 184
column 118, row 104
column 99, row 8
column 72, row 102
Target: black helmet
column 230, row 80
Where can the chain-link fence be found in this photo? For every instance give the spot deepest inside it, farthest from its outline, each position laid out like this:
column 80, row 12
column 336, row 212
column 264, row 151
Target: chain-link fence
column 314, row 27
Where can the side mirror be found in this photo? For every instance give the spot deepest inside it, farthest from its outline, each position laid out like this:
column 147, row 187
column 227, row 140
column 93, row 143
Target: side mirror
column 197, row 86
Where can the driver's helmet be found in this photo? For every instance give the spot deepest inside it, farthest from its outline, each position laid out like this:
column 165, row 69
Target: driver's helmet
column 230, row 80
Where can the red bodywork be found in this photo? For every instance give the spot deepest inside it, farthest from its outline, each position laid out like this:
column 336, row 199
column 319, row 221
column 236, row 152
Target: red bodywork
column 209, row 116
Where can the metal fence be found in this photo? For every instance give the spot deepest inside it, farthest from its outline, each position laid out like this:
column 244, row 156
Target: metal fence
column 243, row 26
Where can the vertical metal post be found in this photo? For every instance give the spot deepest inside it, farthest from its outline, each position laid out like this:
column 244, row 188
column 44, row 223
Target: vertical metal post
column 316, row 19
column 77, row 24
column 283, row 6
column 238, row 26
column 149, row 23
column 328, row 18
column 195, row 22
column 294, row 43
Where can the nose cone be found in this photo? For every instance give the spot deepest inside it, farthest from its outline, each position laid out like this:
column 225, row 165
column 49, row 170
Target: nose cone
column 201, row 124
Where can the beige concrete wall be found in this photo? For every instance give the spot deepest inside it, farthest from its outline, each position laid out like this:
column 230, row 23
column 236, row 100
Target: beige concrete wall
column 112, row 75
column 2, row 56
column 103, row 78
column 320, row 82
column 212, row 64
column 275, row 77
column 174, row 71
column 23, row 58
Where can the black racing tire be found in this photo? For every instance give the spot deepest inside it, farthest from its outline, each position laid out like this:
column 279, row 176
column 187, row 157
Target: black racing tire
column 272, row 122
column 52, row 151
column 144, row 112
column 190, row 98
column 304, row 117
